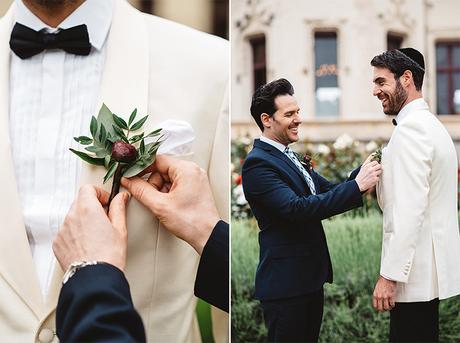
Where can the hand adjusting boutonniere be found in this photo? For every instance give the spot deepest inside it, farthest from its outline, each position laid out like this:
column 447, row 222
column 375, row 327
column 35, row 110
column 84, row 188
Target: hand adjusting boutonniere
column 113, row 146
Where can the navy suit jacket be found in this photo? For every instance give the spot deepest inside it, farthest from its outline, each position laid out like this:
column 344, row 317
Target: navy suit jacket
column 95, row 305
column 294, row 257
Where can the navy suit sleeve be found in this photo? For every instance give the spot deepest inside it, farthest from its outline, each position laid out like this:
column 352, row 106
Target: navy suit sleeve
column 211, row 282
column 95, row 305
column 325, row 185
column 263, row 185
column 354, row 173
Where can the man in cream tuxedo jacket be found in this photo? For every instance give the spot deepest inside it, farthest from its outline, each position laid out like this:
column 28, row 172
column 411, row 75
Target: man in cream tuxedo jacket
column 418, row 196
column 164, row 69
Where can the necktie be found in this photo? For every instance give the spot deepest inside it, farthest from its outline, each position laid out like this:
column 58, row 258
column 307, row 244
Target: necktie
column 26, row 42
column 305, row 174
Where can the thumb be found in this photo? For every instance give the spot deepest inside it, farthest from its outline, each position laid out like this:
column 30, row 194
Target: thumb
column 143, row 192
column 369, row 159
column 117, row 211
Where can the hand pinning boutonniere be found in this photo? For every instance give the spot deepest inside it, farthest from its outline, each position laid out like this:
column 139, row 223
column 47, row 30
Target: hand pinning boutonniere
column 306, row 161
column 113, row 146
column 377, row 155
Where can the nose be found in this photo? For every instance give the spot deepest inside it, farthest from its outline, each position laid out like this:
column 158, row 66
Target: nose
column 376, row 91
column 298, row 118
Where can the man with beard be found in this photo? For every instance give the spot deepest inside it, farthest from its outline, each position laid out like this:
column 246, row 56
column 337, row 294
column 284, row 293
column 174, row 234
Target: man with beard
column 59, row 61
column 289, row 201
column 418, row 196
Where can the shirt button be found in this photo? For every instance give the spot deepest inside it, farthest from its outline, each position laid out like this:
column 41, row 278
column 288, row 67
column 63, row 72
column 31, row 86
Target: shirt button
column 46, row 336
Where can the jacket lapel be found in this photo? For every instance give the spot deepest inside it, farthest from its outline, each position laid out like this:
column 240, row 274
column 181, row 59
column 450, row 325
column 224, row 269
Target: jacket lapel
column 281, row 156
column 124, row 87
column 16, row 263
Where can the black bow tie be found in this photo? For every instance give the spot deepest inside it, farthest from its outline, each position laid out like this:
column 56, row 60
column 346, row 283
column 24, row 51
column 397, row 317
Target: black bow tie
column 26, row 42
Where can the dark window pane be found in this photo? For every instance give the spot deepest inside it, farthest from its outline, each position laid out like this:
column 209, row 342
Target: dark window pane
column 394, row 41
column 327, row 93
column 441, row 56
column 259, row 66
column 442, row 94
column 456, row 94
column 456, row 56
column 448, row 79
column 259, row 52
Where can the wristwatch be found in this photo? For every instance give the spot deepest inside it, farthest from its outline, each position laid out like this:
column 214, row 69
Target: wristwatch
column 76, row 266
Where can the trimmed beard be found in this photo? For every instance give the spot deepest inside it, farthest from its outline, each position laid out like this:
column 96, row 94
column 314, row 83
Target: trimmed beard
column 396, row 100
column 51, row 3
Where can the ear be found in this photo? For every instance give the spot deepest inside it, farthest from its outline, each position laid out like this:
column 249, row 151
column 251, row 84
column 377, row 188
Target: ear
column 265, row 118
column 407, row 78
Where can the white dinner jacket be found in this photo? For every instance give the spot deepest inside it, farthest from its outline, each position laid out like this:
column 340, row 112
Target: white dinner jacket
column 418, row 196
column 168, row 71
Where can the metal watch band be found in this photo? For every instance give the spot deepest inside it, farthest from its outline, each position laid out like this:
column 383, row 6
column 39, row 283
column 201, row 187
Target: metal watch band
column 74, row 267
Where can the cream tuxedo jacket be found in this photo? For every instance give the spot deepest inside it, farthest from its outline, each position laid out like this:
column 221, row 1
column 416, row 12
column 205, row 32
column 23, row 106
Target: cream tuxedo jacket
column 168, row 71
column 418, row 196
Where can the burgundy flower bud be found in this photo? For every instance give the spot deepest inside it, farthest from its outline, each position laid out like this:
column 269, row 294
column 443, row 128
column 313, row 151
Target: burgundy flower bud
column 123, row 152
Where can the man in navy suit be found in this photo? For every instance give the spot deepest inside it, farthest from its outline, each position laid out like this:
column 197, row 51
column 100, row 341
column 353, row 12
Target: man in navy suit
column 289, row 201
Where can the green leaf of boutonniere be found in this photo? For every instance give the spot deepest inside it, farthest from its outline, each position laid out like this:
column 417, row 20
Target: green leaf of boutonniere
column 83, row 140
column 112, row 147
column 120, row 122
column 377, row 155
column 113, row 167
column 102, row 134
column 88, row 158
column 154, row 133
column 136, row 138
column 132, row 117
column 137, row 125
column 93, row 127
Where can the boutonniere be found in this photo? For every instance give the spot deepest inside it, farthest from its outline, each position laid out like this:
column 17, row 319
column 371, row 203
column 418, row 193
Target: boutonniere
column 377, row 155
column 306, row 161
column 113, row 146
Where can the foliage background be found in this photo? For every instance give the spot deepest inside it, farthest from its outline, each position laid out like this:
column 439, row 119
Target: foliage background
column 354, row 244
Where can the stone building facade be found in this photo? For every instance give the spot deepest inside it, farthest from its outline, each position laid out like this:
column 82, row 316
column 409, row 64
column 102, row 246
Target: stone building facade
column 324, row 49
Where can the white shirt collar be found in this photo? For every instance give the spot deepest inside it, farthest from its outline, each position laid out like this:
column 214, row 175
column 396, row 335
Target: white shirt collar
column 279, row 146
column 416, row 104
column 96, row 14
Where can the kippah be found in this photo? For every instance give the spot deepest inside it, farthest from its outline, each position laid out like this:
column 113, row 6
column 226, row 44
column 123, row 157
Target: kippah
column 414, row 55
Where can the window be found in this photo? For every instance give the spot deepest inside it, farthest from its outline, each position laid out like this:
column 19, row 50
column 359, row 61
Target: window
column 448, row 77
column 220, row 20
column 327, row 92
column 259, row 64
column 394, row 41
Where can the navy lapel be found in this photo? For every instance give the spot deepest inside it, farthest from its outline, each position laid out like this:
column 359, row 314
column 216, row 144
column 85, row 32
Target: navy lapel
column 278, row 154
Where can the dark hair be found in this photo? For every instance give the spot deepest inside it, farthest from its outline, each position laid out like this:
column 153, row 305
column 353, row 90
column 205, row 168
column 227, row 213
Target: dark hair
column 263, row 100
column 397, row 62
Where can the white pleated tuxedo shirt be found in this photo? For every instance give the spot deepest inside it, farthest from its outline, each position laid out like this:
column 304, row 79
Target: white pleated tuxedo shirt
column 52, row 98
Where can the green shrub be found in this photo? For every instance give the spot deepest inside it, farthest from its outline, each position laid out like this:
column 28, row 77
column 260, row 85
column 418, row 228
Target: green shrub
column 354, row 244
column 247, row 320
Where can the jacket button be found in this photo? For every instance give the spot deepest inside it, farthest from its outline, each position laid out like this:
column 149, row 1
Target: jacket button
column 46, row 336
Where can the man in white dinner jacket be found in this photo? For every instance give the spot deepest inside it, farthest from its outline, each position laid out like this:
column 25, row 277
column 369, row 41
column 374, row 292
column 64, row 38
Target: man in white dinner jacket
column 418, row 196
column 47, row 96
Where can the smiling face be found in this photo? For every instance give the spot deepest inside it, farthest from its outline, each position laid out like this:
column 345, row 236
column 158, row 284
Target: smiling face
column 283, row 126
column 389, row 91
